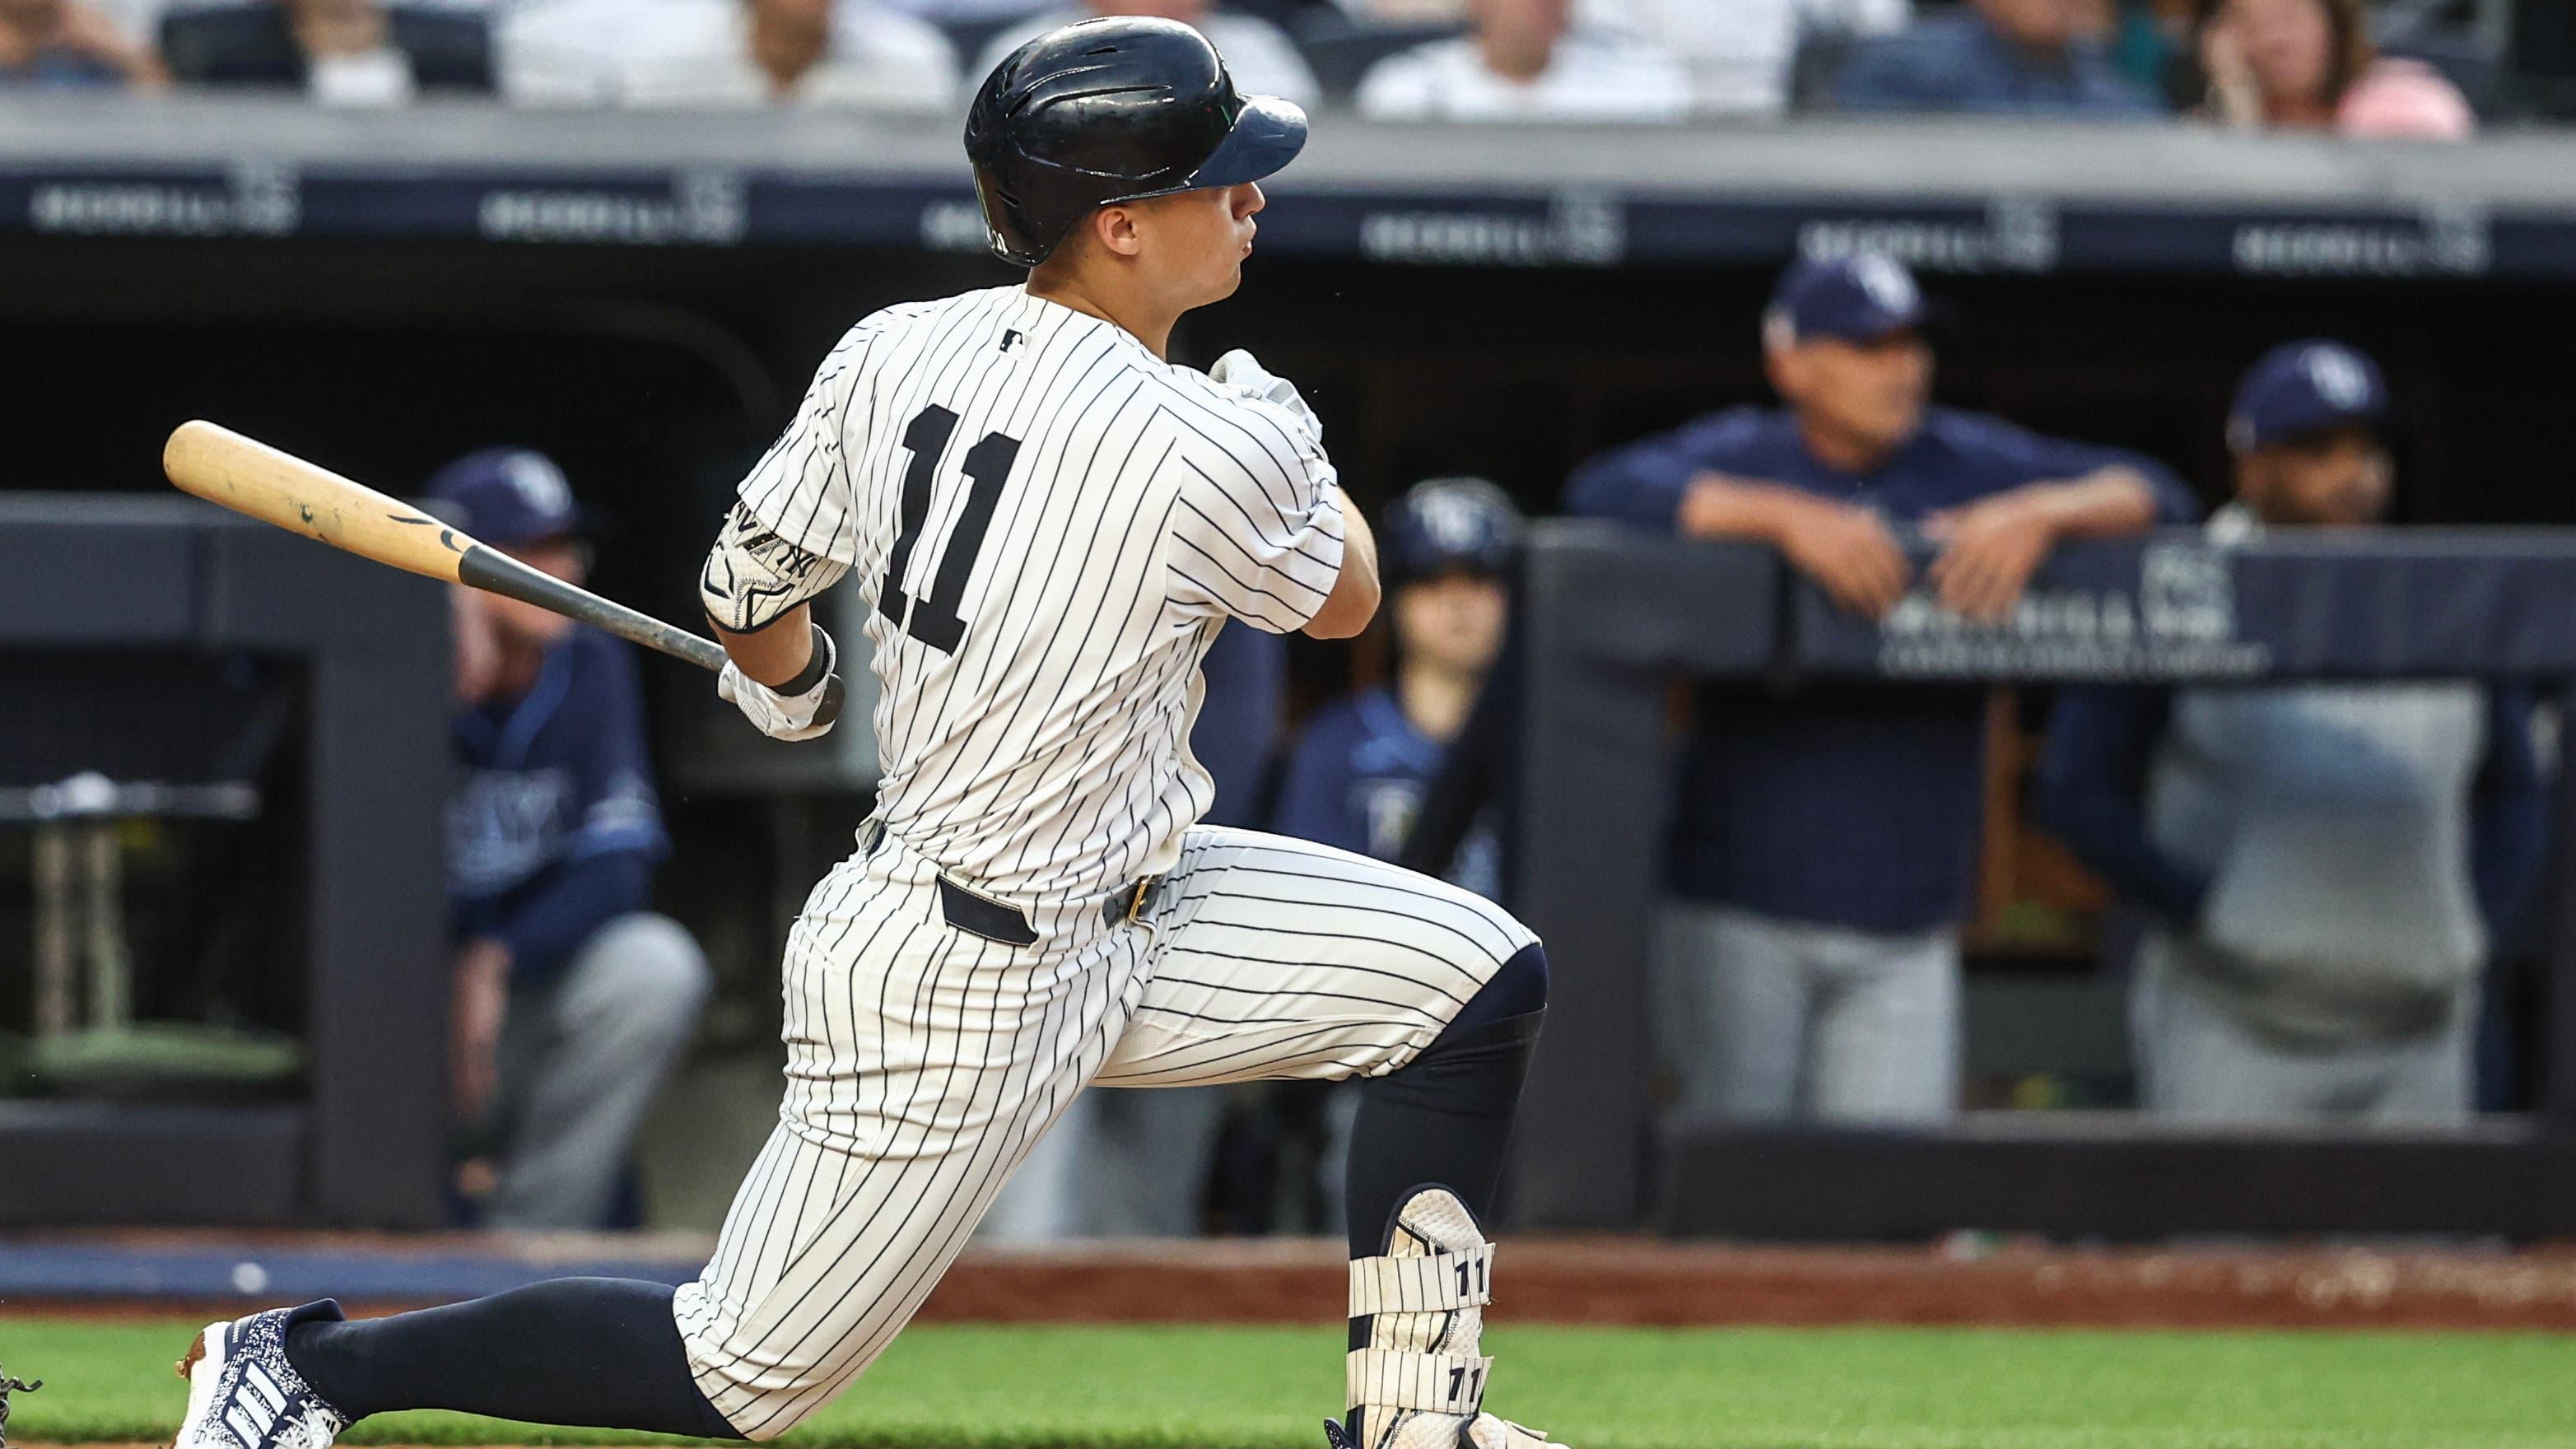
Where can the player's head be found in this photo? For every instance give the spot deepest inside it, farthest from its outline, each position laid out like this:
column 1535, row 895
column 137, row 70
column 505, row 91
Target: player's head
column 1447, row 548
column 517, row 501
column 1122, row 143
column 1843, row 342
column 2306, row 434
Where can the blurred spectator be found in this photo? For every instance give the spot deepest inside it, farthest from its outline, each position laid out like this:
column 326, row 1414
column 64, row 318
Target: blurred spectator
column 1407, row 12
column 339, row 52
column 2325, row 863
column 1358, row 775
column 2308, row 65
column 1742, row 55
column 724, row 54
column 65, row 43
column 2151, row 45
column 966, row 12
column 572, row 1002
column 1996, row 56
column 1525, row 60
column 1257, row 53
column 1825, row 841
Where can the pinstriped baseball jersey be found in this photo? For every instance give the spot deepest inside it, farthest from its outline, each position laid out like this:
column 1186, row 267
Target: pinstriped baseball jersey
column 1049, row 524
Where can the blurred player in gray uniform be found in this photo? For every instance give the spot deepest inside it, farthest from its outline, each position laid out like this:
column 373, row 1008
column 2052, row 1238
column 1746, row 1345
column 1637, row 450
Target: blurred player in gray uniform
column 2324, row 863
column 1049, row 523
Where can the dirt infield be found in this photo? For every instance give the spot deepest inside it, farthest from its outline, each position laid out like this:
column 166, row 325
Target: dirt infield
column 1633, row 1282
column 1637, row 1281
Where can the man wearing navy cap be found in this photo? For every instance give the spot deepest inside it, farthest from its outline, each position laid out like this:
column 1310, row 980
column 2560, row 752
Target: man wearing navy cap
column 1825, row 841
column 572, row 1001
column 2324, row 865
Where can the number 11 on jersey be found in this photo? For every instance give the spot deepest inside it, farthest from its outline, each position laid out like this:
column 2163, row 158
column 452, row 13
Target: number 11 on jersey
column 987, row 466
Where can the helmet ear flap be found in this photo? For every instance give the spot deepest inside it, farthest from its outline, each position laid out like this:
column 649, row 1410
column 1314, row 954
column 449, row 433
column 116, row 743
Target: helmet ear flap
column 1006, row 222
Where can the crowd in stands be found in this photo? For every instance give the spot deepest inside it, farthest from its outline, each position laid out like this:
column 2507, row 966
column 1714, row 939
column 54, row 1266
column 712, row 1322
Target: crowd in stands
column 2312, row 65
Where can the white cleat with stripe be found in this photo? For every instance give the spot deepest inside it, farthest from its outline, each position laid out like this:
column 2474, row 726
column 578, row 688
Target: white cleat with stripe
column 242, row 1392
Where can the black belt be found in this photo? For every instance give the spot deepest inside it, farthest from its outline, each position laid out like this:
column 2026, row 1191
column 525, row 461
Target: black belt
column 999, row 921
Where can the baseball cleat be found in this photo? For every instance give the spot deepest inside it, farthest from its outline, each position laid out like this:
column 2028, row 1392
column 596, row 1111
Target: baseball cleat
column 1482, row 1432
column 242, row 1392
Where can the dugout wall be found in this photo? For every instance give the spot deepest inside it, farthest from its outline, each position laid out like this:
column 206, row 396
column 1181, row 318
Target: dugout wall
column 1611, row 617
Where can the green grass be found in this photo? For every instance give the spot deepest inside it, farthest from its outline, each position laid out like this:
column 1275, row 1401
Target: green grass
column 1267, row 1388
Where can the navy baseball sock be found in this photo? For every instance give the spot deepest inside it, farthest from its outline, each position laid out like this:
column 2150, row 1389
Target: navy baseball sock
column 598, row 1353
column 1447, row 1115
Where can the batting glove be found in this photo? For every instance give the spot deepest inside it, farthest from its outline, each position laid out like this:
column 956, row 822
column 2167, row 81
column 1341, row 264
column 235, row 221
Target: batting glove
column 803, row 708
column 1241, row 371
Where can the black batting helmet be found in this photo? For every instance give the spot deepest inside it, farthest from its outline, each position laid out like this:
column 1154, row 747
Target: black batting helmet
column 1116, row 109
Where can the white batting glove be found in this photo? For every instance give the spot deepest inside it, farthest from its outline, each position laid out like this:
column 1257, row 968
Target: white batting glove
column 1243, row 372
column 804, row 715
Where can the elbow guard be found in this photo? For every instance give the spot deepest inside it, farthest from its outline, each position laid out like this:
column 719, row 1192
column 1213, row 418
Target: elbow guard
column 753, row 576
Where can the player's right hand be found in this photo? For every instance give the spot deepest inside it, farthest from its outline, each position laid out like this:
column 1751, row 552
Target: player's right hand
column 799, row 716
column 1850, row 554
column 1243, row 372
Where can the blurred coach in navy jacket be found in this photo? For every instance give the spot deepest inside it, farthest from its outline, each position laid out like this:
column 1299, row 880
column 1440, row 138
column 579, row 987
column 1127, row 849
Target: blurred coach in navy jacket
column 572, row 1000
column 1825, row 841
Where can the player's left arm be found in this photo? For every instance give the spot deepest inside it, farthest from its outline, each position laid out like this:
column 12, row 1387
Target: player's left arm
column 788, row 537
column 757, row 589
column 1991, row 547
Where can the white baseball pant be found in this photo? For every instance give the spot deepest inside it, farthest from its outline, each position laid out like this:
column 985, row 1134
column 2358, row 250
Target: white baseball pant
column 924, row 1061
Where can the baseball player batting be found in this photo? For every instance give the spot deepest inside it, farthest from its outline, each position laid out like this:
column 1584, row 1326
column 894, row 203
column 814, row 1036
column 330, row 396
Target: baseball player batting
column 1049, row 522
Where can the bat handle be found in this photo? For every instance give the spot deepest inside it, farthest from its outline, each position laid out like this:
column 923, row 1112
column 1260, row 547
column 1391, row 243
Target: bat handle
column 489, row 569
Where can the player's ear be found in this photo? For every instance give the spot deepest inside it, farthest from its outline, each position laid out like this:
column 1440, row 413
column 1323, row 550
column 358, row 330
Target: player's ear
column 1119, row 229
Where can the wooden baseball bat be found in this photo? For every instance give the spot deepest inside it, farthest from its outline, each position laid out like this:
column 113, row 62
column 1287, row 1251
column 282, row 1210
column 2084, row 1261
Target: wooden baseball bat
column 248, row 476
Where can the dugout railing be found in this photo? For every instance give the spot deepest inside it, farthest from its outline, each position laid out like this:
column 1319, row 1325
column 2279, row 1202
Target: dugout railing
column 1612, row 618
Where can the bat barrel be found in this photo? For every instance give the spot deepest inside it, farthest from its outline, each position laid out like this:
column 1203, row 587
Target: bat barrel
column 250, row 477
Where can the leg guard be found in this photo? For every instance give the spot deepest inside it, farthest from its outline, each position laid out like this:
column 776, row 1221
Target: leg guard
column 1417, row 1370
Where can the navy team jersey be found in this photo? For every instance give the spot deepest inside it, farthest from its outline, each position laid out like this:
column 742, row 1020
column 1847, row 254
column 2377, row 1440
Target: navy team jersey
column 554, row 824
column 1357, row 780
column 1849, row 805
